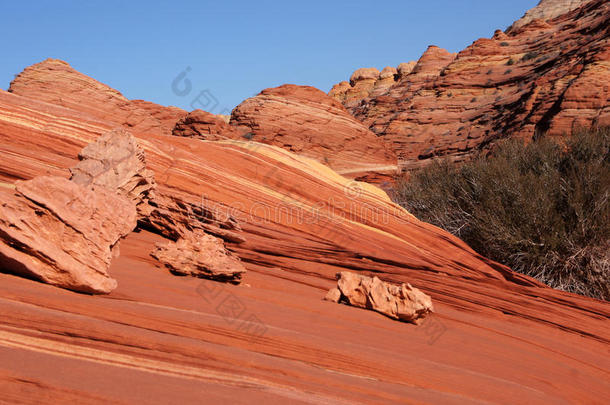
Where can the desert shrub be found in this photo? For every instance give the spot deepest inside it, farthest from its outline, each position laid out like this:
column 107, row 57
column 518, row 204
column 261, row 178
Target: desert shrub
column 542, row 209
column 510, row 62
column 504, row 44
column 529, row 56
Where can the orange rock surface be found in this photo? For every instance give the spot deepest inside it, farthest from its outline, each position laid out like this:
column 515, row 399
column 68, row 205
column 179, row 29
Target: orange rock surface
column 207, row 126
column 306, row 121
column 547, row 10
column 494, row 336
column 542, row 76
column 63, row 233
column 56, row 82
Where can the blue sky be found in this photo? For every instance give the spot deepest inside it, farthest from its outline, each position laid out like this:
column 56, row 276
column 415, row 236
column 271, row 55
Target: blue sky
column 236, row 48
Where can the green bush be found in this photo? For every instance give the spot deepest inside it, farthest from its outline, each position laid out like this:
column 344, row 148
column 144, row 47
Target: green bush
column 542, row 209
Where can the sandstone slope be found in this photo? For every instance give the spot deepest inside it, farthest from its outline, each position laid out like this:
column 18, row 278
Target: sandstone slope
column 56, row 82
column 294, row 223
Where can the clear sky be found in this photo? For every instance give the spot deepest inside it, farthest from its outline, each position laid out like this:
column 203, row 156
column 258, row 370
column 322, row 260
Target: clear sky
column 236, row 48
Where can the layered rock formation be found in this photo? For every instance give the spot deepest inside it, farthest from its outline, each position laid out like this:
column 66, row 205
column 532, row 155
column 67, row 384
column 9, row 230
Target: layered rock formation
column 331, row 135
column 74, row 90
column 547, row 10
column 294, row 223
column 403, row 303
column 544, row 77
column 63, row 233
column 200, row 255
column 306, row 121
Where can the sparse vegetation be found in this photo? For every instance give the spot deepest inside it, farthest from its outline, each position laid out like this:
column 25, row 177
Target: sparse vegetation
column 542, row 209
column 529, row 56
column 503, row 43
column 510, row 62
column 248, row 135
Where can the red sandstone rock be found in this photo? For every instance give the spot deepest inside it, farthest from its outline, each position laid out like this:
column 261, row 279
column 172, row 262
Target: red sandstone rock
column 62, row 233
column 278, row 343
column 207, row 126
column 79, row 92
column 403, row 303
column 362, row 83
column 405, row 68
column 201, row 255
column 306, row 121
column 116, row 161
column 543, row 77
column 367, row 83
column 547, row 10
column 167, row 116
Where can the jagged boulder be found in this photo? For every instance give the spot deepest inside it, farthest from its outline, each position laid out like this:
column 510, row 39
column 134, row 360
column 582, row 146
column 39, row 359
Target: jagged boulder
column 63, row 233
column 403, row 303
column 116, row 161
column 200, row 255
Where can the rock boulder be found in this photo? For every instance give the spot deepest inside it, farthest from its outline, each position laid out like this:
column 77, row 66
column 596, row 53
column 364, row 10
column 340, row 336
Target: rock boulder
column 403, row 303
column 63, row 233
column 201, row 255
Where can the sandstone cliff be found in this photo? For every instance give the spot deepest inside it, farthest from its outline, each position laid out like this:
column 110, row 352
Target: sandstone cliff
column 541, row 77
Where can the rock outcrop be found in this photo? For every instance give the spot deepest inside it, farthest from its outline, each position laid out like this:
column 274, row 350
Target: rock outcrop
column 403, row 303
column 545, row 77
column 167, row 116
column 405, row 68
column 63, row 233
column 200, row 255
column 306, row 121
column 207, row 126
column 74, row 90
column 369, row 82
column 547, row 10
column 116, row 161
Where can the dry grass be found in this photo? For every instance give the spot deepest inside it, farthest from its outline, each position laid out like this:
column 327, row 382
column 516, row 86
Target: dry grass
column 542, row 209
